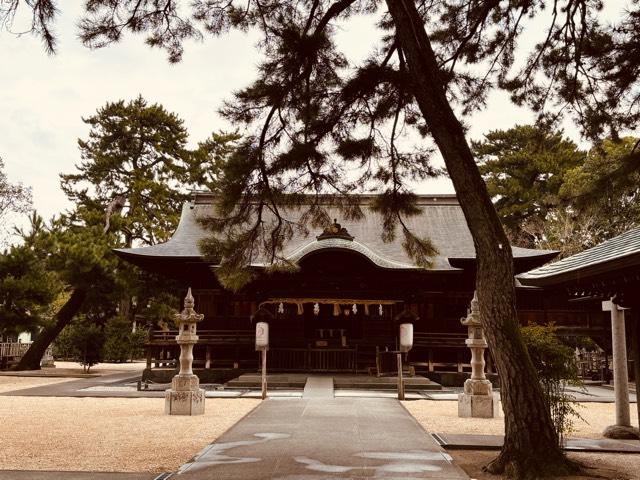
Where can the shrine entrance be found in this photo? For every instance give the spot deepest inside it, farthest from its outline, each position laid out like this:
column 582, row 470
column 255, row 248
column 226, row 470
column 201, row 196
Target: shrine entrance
column 329, row 335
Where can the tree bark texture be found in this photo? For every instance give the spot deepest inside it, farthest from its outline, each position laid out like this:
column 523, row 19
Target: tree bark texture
column 31, row 359
column 530, row 449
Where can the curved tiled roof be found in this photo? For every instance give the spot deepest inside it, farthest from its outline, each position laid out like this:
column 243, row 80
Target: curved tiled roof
column 620, row 251
column 441, row 221
column 350, row 245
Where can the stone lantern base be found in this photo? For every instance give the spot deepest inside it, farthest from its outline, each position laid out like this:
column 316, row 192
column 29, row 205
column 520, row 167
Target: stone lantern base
column 478, row 400
column 621, row 432
column 184, row 397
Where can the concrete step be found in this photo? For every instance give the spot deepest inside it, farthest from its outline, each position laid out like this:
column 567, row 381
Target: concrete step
column 318, row 387
column 351, row 382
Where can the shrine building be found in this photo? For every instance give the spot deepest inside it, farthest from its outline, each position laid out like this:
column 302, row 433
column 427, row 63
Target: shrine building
column 340, row 310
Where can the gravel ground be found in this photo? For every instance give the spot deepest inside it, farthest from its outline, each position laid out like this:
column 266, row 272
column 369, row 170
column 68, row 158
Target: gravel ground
column 107, row 434
column 442, row 417
column 612, row 466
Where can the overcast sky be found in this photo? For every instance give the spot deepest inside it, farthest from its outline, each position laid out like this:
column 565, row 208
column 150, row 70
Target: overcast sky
column 42, row 98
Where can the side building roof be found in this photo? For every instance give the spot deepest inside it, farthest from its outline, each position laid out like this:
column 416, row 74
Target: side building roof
column 613, row 255
column 441, row 220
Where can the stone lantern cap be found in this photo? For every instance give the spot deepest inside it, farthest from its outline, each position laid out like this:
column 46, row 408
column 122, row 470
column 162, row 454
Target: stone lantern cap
column 473, row 315
column 186, row 321
column 472, row 322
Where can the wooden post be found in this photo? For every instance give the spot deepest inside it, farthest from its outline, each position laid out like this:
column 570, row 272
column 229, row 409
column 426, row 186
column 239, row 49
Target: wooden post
column 264, row 373
column 207, row 360
column 635, row 348
column 430, row 360
column 400, row 381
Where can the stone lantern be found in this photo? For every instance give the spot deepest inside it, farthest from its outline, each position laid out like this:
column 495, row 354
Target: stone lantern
column 185, row 397
column 478, row 399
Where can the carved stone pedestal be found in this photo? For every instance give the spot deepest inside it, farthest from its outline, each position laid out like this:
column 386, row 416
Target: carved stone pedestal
column 184, row 397
column 478, row 400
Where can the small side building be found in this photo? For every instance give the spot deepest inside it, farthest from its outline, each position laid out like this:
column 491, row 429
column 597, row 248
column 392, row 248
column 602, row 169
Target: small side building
column 605, row 279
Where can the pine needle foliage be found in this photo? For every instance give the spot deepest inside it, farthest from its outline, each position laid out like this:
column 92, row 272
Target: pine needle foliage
column 525, row 168
column 136, row 153
column 551, row 194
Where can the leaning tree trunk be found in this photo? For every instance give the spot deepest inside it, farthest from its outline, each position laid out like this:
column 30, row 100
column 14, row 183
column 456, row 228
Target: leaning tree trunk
column 31, row 359
column 530, row 448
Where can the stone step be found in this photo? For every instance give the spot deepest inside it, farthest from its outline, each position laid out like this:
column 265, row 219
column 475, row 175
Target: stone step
column 318, row 387
column 352, row 382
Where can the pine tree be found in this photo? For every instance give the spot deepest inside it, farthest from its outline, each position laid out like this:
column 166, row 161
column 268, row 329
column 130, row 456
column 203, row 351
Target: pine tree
column 133, row 179
column 525, row 168
column 135, row 170
column 27, row 286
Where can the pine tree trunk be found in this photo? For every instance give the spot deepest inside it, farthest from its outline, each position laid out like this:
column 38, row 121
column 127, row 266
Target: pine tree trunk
column 32, row 357
column 530, row 449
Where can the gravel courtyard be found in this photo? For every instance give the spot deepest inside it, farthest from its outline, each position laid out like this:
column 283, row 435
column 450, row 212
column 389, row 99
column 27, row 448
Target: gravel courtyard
column 104, row 434
column 442, row 417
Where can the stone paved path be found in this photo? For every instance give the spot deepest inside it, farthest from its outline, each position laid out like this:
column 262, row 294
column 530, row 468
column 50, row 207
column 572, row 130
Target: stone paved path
column 323, row 438
column 318, row 386
column 76, row 387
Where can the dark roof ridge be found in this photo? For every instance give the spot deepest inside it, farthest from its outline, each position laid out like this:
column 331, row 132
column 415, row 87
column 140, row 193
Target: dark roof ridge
column 202, row 197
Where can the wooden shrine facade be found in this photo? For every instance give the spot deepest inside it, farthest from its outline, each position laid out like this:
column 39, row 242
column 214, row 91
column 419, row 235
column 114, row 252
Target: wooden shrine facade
column 340, row 311
column 354, row 342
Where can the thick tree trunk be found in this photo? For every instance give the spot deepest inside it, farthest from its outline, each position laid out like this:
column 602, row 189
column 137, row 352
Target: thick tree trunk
column 31, row 359
column 530, row 449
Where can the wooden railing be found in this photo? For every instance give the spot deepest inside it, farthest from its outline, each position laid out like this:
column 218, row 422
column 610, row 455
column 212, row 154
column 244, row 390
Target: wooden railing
column 434, row 341
column 313, row 359
column 205, row 337
column 13, row 349
column 446, row 340
column 162, row 351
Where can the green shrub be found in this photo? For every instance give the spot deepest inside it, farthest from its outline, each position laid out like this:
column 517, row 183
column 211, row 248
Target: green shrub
column 557, row 367
column 63, row 346
column 82, row 341
column 121, row 344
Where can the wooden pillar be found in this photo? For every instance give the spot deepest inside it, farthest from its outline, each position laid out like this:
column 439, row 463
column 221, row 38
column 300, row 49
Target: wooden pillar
column 149, row 348
column 264, row 374
column 207, row 360
column 635, row 349
column 400, row 379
